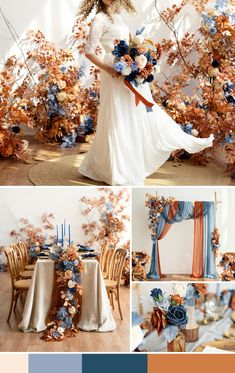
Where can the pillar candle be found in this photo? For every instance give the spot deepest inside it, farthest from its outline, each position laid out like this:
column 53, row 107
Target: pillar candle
column 62, row 234
column 69, row 236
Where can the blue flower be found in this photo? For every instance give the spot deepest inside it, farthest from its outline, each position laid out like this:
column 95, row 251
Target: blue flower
column 63, row 69
column 87, row 127
column 177, row 315
column 132, row 76
column 61, row 313
column 119, row 67
column 69, row 141
column 156, row 294
column 150, row 78
column 134, row 53
column 68, row 322
column 121, row 49
column 134, row 66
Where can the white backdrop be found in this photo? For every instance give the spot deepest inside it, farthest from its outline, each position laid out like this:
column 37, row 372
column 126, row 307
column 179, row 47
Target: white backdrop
column 176, row 248
column 31, row 203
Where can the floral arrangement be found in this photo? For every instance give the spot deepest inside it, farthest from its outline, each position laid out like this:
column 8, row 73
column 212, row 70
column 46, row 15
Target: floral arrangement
column 204, row 67
column 156, row 206
column 215, row 240
column 45, row 90
column 59, row 101
column 68, row 269
column 227, row 264
column 169, row 313
column 12, row 114
column 112, row 217
column 139, row 261
column 136, row 61
column 33, row 235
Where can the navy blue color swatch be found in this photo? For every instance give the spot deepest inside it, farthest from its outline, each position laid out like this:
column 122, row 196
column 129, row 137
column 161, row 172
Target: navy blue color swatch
column 119, row 363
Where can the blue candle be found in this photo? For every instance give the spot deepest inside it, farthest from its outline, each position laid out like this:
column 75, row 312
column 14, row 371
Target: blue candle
column 64, row 227
column 62, row 234
column 69, row 235
column 57, row 233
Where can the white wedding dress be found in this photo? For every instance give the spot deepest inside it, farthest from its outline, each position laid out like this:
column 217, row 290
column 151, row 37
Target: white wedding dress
column 130, row 143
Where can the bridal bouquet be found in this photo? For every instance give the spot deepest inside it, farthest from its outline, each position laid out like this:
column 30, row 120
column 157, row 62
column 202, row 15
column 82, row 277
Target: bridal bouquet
column 137, row 61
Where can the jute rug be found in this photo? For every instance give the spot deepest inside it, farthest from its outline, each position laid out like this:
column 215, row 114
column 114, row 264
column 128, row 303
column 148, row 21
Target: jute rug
column 64, row 171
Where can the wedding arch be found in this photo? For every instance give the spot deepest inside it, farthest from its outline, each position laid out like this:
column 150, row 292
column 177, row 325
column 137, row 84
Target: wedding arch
column 163, row 213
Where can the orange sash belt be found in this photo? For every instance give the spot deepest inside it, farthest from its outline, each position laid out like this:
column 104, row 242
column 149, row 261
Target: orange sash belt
column 138, row 96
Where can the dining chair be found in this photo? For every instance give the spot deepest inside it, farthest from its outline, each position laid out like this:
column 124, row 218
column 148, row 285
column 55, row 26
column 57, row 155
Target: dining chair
column 107, row 263
column 18, row 285
column 113, row 283
column 23, row 247
column 20, row 254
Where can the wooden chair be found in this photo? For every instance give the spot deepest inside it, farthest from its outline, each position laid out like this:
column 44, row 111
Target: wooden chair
column 113, row 283
column 20, row 254
column 18, row 285
column 24, row 249
column 107, row 263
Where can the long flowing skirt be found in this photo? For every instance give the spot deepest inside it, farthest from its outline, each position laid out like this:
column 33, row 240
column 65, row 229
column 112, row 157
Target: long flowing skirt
column 131, row 143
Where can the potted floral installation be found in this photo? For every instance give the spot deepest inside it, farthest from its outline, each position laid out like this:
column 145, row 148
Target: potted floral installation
column 169, row 317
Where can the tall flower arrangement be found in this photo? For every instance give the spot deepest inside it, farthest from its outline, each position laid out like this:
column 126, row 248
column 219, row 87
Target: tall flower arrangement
column 112, row 216
column 204, row 64
column 12, row 113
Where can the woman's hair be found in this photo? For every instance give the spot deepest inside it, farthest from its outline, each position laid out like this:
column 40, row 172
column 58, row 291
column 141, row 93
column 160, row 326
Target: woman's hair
column 87, row 6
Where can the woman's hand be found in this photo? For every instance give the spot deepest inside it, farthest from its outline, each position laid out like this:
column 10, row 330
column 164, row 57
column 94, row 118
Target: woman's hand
column 110, row 70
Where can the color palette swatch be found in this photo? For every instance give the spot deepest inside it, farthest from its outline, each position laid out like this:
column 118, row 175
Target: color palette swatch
column 115, row 363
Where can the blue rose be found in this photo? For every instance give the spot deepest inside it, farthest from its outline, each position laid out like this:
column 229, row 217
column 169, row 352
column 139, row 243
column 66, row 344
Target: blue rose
column 121, row 49
column 156, row 294
column 177, row 315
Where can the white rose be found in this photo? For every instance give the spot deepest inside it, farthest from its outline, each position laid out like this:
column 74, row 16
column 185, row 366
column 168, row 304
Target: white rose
column 180, row 289
column 141, row 61
column 194, row 132
column 60, row 330
column 227, row 33
column 71, row 284
column 127, row 71
column 61, row 84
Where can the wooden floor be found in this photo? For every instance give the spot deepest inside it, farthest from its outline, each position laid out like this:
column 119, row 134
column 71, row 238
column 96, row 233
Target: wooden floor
column 183, row 277
column 12, row 340
column 14, row 172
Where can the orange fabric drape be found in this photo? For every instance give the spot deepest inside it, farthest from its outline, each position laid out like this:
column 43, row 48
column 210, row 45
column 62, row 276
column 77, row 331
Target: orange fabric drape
column 167, row 227
column 197, row 269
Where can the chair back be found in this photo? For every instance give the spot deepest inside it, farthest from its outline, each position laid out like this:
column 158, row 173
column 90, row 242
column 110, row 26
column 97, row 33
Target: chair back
column 13, row 263
column 20, row 255
column 117, row 265
column 23, row 248
column 107, row 261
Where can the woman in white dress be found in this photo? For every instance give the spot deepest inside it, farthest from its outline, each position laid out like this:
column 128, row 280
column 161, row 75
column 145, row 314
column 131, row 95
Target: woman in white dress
column 130, row 143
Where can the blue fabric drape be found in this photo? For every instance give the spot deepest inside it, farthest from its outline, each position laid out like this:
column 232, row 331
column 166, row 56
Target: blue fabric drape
column 209, row 258
column 185, row 211
column 153, row 272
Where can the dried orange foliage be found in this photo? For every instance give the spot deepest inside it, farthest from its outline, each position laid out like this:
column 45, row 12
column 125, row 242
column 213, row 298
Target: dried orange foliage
column 205, row 66
column 109, row 214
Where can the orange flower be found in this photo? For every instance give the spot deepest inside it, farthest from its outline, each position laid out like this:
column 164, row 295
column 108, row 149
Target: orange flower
column 127, row 59
column 158, row 320
column 177, row 299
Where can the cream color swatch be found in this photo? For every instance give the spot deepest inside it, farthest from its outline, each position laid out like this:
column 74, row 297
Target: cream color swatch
column 13, row 363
